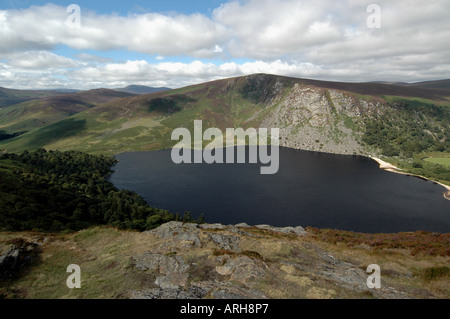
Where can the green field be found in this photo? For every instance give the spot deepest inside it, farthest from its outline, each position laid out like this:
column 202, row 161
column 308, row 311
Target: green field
column 439, row 160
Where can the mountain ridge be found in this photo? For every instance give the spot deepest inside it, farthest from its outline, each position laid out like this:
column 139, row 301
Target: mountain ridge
column 334, row 117
column 46, row 110
column 141, row 89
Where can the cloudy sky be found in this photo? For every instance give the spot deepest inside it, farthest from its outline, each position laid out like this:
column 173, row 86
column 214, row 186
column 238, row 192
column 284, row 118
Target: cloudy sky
column 112, row 43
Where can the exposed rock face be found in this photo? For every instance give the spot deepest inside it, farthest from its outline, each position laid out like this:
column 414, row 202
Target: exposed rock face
column 241, row 269
column 317, row 119
column 17, row 256
column 189, row 261
column 299, row 230
column 228, row 242
column 185, row 234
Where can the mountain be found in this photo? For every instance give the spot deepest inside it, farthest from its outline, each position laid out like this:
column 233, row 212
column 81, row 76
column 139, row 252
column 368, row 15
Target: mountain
column 335, row 117
column 39, row 112
column 61, row 91
column 11, row 96
column 141, row 89
column 440, row 84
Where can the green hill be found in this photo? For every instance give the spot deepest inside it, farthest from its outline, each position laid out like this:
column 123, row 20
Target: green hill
column 11, row 96
column 36, row 113
column 344, row 118
column 56, row 191
column 141, row 89
column 336, row 115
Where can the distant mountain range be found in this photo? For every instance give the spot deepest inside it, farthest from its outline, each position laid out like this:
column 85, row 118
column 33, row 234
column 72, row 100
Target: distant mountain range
column 39, row 112
column 11, row 96
column 140, row 89
column 439, row 84
column 335, row 117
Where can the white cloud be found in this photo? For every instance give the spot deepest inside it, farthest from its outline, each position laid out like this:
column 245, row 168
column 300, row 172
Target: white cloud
column 177, row 74
column 322, row 39
column 38, row 60
column 45, row 27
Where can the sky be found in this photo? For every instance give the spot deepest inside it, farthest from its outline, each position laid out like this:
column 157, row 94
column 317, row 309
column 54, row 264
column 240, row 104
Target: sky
column 82, row 44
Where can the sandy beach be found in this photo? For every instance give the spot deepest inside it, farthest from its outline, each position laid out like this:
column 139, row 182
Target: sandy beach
column 394, row 169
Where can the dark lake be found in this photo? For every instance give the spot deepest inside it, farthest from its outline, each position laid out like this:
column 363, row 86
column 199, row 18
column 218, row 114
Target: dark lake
column 310, row 189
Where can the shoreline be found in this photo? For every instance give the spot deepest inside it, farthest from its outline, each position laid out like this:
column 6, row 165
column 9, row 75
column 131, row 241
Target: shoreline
column 394, row 169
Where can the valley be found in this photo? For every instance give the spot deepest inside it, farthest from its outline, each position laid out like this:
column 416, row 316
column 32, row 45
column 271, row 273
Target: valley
column 396, row 122
column 57, row 153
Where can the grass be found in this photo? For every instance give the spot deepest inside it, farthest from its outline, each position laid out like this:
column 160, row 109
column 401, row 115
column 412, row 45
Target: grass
column 423, row 165
column 292, row 264
column 103, row 255
column 419, row 243
column 414, row 100
column 435, row 273
column 439, row 160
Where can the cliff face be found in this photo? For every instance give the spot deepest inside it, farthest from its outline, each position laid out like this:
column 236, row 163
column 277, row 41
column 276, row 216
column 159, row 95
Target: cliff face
column 313, row 118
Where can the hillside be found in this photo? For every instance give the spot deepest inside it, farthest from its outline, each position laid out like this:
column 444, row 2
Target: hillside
column 141, row 89
column 11, row 96
column 61, row 191
column 181, row 261
column 439, row 84
column 36, row 113
column 344, row 118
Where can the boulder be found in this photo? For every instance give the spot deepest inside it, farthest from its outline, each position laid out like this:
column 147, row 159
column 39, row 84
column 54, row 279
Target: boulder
column 228, row 242
column 172, row 280
column 241, row 269
column 19, row 255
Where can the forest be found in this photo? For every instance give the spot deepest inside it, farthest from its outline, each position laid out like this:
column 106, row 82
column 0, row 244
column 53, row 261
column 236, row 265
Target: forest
column 414, row 128
column 67, row 191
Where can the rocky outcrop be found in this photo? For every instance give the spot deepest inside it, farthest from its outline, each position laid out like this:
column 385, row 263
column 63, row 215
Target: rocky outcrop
column 16, row 257
column 190, row 261
column 319, row 119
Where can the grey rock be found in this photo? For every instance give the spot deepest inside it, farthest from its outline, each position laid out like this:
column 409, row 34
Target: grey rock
column 236, row 292
column 16, row 257
column 286, row 230
column 170, row 293
column 241, row 269
column 264, row 226
column 212, row 226
column 292, row 230
column 228, row 242
column 188, row 238
column 223, row 258
column 172, row 280
column 161, row 263
column 147, row 262
column 187, row 233
column 228, row 290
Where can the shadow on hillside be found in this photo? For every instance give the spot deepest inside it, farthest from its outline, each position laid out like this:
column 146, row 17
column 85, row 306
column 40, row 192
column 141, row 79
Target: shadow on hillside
column 6, row 136
column 54, row 132
column 169, row 104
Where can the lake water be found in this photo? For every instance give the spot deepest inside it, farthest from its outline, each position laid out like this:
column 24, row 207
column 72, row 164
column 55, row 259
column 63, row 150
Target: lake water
column 310, row 189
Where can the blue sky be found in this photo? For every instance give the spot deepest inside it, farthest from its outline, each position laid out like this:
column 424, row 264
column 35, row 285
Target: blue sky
column 178, row 43
column 124, row 7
